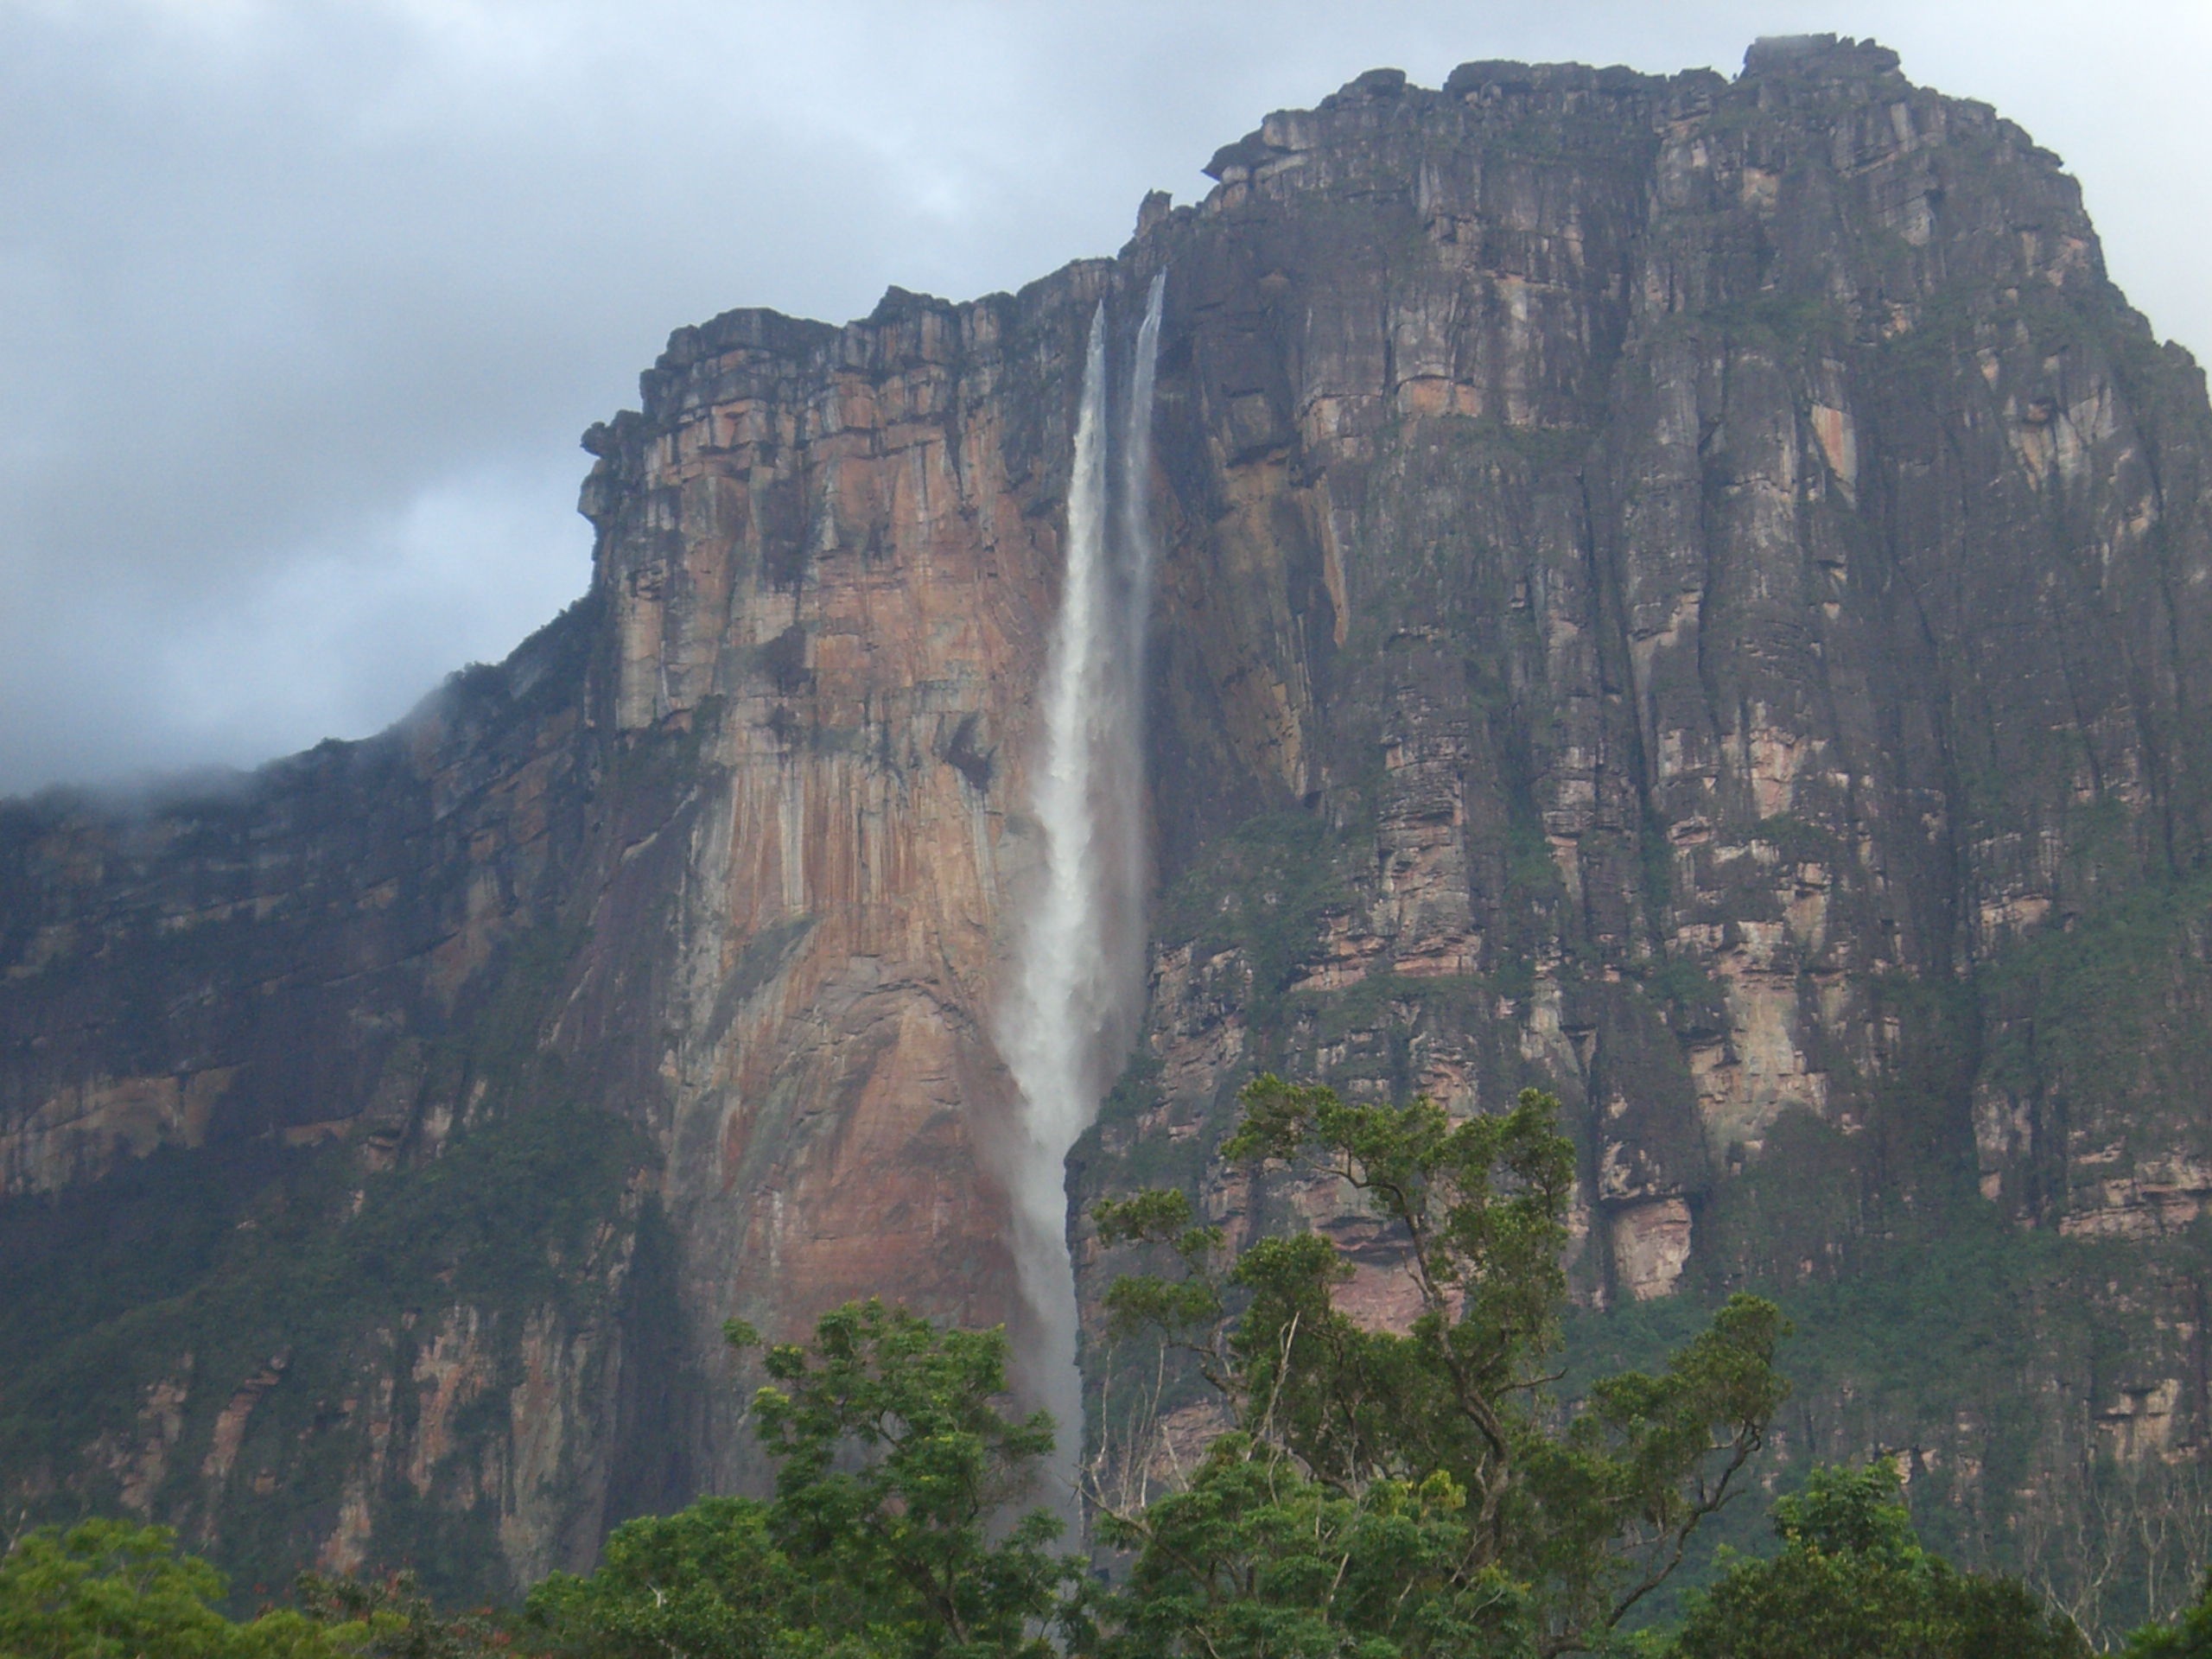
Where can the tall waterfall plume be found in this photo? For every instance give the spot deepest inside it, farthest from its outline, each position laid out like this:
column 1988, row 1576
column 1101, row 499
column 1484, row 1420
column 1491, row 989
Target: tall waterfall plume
column 1078, row 988
column 1139, row 556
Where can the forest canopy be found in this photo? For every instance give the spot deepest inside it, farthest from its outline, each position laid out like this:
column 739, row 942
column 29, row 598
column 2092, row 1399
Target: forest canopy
column 1370, row 1493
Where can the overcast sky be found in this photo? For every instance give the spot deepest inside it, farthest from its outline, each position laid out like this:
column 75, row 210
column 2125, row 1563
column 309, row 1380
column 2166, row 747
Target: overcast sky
column 304, row 307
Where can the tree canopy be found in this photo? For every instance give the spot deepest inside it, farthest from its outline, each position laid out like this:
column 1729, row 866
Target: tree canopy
column 1370, row 1490
column 897, row 1469
column 1420, row 1490
column 1852, row 1579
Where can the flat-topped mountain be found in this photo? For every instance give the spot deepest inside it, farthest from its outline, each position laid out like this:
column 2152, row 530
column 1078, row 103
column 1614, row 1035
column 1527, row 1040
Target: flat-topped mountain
column 1692, row 594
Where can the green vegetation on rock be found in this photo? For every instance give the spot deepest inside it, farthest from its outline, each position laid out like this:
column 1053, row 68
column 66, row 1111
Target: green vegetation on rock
column 1406, row 1492
column 302, row 1284
column 1370, row 1493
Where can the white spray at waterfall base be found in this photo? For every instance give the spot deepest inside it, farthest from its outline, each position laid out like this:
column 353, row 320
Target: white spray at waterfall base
column 1078, row 988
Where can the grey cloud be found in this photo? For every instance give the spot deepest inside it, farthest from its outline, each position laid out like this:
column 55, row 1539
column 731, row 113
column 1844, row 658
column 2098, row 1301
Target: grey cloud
column 302, row 307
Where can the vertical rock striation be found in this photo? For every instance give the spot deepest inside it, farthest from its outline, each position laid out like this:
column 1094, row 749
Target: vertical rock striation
column 1709, row 579
column 1691, row 593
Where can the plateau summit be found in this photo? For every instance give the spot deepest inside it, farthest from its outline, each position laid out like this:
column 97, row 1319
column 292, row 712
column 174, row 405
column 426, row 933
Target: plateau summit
column 1693, row 595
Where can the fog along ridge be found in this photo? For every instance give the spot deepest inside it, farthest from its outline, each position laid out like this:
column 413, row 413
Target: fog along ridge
column 1693, row 593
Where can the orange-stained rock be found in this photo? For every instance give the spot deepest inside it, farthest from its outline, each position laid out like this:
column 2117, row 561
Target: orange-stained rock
column 1687, row 593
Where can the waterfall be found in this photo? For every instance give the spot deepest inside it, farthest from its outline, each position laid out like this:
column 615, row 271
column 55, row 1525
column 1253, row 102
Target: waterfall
column 1078, row 988
column 1139, row 556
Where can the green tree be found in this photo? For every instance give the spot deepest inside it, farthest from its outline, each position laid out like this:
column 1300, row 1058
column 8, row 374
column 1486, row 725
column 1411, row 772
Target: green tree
column 2189, row 1637
column 389, row 1618
column 1415, row 1492
column 1852, row 1582
column 896, row 1467
column 107, row 1589
column 707, row 1581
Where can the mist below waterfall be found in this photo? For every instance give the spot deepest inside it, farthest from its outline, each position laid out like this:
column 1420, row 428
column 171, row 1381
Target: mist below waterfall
column 1076, row 992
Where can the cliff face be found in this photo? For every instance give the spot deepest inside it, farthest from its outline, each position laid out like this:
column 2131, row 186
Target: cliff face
column 1692, row 594
column 1711, row 580
column 828, row 556
column 720, row 855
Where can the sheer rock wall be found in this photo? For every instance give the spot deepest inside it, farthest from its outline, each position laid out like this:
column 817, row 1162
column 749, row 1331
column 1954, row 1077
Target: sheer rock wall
column 1692, row 594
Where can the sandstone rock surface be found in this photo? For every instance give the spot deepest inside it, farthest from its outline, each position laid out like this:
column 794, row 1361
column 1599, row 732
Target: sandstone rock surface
column 1693, row 593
